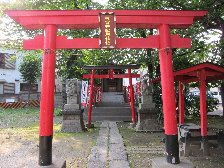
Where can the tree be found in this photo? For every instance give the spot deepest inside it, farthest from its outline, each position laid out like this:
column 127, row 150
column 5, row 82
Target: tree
column 212, row 23
column 30, row 69
column 69, row 62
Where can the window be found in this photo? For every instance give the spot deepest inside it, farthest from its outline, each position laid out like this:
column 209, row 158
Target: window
column 7, row 61
column 1, row 88
column 9, row 88
column 25, row 87
column 2, row 60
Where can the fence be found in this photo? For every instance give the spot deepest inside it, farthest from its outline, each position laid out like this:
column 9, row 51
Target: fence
column 13, row 105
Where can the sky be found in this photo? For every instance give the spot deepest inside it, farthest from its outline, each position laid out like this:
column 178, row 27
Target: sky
column 103, row 2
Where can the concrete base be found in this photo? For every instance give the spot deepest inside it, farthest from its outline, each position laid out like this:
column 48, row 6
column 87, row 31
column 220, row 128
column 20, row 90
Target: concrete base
column 73, row 121
column 132, row 125
column 162, row 163
column 57, row 163
column 90, row 125
column 147, row 120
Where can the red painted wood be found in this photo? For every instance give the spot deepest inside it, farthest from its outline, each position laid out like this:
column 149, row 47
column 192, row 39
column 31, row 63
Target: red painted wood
column 93, row 43
column 48, row 81
column 207, row 66
column 187, row 75
column 181, row 103
column 132, row 97
column 167, row 81
column 114, row 76
column 89, row 18
column 91, row 98
column 203, row 108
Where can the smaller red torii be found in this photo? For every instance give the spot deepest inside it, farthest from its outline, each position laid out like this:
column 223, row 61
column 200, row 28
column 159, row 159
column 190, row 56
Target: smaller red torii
column 202, row 73
column 111, row 75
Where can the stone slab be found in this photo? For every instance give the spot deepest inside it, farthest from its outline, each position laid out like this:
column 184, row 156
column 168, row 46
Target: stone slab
column 117, row 152
column 96, row 164
column 119, row 164
column 71, row 106
column 162, row 163
column 73, row 112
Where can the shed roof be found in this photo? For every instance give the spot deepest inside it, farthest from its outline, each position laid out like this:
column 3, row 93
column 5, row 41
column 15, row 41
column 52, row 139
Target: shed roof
column 213, row 72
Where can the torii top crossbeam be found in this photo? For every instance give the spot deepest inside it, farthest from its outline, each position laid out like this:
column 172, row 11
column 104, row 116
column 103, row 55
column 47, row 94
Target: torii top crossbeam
column 89, row 19
column 82, row 19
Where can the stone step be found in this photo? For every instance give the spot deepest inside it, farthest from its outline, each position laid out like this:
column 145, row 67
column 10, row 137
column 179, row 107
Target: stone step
column 115, row 110
column 112, row 104
column 111, row 114
column 113, row 97
column 111, row 118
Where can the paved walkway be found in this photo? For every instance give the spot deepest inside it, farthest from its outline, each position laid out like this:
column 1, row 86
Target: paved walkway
column 109, row 150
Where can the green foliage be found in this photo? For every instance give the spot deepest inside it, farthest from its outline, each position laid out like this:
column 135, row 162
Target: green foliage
column 157, row 99
column 30, row 68
column 57, row 112
column 192, row 105
column 69, row 62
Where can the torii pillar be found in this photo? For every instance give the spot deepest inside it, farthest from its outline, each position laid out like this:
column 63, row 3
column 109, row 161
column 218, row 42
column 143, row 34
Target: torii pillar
column 168, row 95
column 47, row 96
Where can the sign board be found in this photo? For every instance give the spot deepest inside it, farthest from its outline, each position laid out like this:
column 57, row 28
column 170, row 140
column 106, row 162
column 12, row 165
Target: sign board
column 107, row 30
column 84, row 93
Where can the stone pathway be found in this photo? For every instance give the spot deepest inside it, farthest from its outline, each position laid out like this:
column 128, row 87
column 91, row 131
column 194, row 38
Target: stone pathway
column 109, row 150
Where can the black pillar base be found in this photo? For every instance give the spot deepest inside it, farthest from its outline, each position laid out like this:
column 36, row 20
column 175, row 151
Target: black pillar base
column 90, row 125
column 172, row 149
column 45, row 150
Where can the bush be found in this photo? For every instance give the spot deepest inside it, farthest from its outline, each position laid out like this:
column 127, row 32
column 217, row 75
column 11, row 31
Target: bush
column 57, row 112
column 192, row 105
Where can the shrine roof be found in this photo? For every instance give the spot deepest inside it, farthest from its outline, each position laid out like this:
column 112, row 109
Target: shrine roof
column 101, row 67
column 212, row 71
column 79, row 19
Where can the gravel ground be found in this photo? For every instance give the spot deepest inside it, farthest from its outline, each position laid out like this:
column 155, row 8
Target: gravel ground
column 19, row 134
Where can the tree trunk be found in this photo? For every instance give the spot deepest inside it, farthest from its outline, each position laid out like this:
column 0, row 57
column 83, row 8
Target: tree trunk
column 222, row 63
column 30, row 85
column 222, row 97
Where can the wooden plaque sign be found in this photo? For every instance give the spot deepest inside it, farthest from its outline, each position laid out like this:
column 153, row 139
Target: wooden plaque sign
column 107, row 30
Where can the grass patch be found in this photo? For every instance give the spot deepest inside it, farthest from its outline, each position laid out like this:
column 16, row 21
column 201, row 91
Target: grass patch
column 10, row 118
column 133, row 138
column 213, row 121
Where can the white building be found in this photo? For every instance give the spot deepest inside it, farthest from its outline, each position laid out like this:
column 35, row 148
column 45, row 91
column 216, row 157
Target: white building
column 11, row 82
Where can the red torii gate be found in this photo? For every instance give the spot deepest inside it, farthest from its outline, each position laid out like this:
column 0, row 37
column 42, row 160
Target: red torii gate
column 111, row 75
column 53, row 20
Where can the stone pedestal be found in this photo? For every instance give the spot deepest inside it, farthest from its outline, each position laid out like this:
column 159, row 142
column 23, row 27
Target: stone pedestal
column 147, row 120
column 72, row 115
column 73, row 121
column 147, row 111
